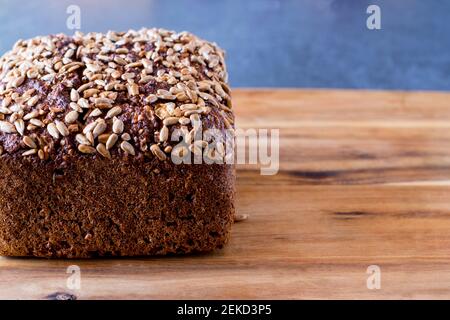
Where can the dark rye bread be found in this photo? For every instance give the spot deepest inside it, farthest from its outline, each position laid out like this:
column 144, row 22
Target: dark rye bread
column 85, row 165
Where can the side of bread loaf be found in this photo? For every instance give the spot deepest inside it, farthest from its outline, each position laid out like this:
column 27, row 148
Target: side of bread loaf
column 86, row 152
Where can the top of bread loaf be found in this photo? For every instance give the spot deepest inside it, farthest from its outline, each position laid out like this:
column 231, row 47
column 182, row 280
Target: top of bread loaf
column 106, row 95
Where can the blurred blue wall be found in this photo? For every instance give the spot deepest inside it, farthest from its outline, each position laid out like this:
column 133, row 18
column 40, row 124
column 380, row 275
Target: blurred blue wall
column 276, row 43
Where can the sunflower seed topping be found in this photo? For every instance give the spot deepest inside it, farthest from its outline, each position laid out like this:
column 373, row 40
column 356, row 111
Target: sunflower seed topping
column 62, row 128
column 127, row 147
column 170, row 121
column 117, row 126
column 103, row 151
column 164, row 134
column 86, row 149
column 7, row 127
column 52, row 130
column 29, row 142
column 158, row 152
column 152, row 79
column 20, row 126
column 71, row 117
column 113, row 112
column 29, row 152
column 111, row 141
column 74, row 95
column 81, row 139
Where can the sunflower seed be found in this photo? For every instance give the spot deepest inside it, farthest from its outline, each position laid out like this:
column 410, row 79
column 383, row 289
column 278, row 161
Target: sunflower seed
column 52, row 130
column 36, row 122
column 29, row 142
column 69, row 53
column 134, row 65
column 181, row 96
column 7, row 127
column 89, row 127
column 111, row 141
column 113, row 112
column 116, row 74
column 145, row 79
column 120, row 60
column 75, row 107
column 121, row 50
column 158, row 152
column 126, row 136
column 184, row 121
column 170, row 121
column 48, row 77
column 71, row 117
column 83, row 103
column 85, row 86
column 90, row 137
column 41, row 154
column 86, row 149
column 6, row 102
column 17, row 82
column 192, row 95
column 152, row 98
column 128, row 75
column 164, row 134
column 99, row 128
column 188, row 106
column 62, row 128
column 117, row 126
column 29, row 152
column 32, row 114
column 90, row 93
column 20, row 126
column 74, row 95
column 103, row 137
column 103, row 151
column 32, row 73
column 95, row 113
column 133, row 89
column 81, row 139
column 109, row 86
column 32, row 102
column 103, row 102
column 164, row 94
column 5, row 110
column 127, row 147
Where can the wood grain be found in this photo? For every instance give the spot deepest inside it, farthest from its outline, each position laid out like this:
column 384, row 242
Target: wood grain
column 364, row 179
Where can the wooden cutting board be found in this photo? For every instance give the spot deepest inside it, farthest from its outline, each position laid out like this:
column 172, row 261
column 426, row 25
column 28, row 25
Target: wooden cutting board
column 364, row 180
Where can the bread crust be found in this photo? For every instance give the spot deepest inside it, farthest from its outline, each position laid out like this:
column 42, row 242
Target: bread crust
column 98, row 207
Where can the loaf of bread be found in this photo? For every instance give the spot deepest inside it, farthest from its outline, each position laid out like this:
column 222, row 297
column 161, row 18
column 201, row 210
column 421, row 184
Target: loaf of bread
column 87, row 148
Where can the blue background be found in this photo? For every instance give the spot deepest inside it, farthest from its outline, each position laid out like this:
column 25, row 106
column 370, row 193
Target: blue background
column 276, row 43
